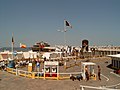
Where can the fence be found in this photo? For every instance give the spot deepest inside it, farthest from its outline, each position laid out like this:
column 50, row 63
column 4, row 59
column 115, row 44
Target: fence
column 40, row 75
column 20, row 72
column 82, row 87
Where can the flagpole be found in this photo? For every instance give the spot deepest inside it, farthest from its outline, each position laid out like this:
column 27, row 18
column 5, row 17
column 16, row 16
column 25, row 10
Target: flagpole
column 64, row 33
column 12, row 46
column 64, row 38
column 66, row 23
column 12, row 51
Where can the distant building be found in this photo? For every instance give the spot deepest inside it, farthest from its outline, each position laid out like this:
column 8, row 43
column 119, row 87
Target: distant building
column 115, row 61
column 42, row 47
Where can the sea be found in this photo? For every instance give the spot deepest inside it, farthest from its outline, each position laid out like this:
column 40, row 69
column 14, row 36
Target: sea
column 18, row 49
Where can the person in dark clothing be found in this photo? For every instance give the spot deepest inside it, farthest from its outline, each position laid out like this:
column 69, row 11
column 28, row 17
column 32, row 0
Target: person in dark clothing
column 72, row 77
column 79, row 77
column 99, row 72
column 86, row 73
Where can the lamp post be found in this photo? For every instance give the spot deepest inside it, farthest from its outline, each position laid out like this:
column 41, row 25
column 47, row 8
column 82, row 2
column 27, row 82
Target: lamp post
column 66, row 24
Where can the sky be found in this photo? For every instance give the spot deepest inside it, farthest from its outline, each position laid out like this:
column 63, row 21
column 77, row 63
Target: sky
column 31, row 21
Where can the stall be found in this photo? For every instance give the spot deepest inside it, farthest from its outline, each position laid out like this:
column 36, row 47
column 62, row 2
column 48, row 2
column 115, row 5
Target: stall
column 90, row 68
column 51, row 69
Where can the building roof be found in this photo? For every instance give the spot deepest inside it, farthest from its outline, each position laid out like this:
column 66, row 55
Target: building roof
column 88, row 63
column 117, row 55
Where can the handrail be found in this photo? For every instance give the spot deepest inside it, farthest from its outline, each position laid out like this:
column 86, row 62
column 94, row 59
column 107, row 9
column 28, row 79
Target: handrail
column 34, row 75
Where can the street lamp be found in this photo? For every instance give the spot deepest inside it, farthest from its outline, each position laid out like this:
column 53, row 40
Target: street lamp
column 66, row 24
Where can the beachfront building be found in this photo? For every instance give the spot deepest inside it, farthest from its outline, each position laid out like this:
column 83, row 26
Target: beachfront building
column 115, row 61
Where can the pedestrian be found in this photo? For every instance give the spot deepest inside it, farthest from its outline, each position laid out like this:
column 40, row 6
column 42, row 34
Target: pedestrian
column 86, row 73
column 3, row 65
column 38, row 66
column 99, row 72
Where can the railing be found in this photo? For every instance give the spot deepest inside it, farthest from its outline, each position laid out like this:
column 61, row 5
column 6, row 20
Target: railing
column 11, row 70
column 20, row 72
column 40, row 75
column 25, row 73
column 82, row 87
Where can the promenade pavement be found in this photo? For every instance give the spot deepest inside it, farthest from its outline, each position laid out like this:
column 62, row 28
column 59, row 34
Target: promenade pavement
column 12, row 82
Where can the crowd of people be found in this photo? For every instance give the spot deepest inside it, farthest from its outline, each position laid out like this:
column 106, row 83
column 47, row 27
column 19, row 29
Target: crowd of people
column 80, row 52
column 70, row 51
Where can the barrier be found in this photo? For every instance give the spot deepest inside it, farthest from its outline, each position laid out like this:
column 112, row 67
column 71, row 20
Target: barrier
column 11, row 70
column 63, row 76
column 53, row 73
column 82, row 87
column 25, row 73
column 21, row 72
column 40, row 75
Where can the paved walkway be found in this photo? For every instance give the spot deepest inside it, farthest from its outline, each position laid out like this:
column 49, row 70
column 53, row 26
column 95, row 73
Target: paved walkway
column 12, row 82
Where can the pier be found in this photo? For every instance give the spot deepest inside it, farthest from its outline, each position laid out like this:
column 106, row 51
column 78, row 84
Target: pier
column 107, row 50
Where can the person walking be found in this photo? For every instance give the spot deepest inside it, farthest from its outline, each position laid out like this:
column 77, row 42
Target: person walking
column 99, row 72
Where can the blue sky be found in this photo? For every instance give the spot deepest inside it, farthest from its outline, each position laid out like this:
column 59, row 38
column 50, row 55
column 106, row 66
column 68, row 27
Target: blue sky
column 38, row 20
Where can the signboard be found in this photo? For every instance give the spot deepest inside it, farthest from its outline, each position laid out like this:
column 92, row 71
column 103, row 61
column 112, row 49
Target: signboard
column 51, row 63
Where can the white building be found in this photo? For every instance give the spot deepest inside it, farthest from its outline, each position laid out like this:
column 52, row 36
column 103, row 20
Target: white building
column 115, row 61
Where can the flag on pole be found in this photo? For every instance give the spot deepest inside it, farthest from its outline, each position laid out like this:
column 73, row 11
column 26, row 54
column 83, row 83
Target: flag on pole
column 12, row 40
column 22, row 45
column 12, row 46
column 68, row 24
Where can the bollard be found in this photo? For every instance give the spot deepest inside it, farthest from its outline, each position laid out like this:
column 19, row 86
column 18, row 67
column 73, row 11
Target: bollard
column 16, row 72
column 57, row 76
column 95, row 77
column 33, row 75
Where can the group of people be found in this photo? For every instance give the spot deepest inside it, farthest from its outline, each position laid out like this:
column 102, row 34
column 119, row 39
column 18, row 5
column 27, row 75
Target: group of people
column 69, row 51
column 87, row 73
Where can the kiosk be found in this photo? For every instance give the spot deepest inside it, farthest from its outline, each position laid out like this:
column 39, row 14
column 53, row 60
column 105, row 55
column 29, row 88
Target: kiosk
column 51, row 69
column 90, row 67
